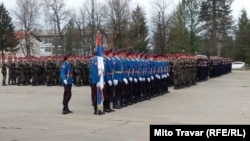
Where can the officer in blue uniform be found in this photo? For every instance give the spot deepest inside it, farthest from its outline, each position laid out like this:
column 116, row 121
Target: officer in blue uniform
column 108, row 73
column 117, row 79
column 130, row 87
column 67, row 79
column 94, row 79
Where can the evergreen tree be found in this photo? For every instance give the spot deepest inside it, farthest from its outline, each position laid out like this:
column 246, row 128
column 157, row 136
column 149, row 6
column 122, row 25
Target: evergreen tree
column 7, row 37
column 139, row 30
column 72, row 38
column 192, row 23
column 216, row 19
column 242, row 42
column 179, row 33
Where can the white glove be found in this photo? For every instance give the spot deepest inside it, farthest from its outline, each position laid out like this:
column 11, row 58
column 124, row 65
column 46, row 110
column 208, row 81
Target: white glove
column 110, row 83
column 163, row 76
column 98, row 84
column 152, row 77
column 130, row 79
column 115, row 82
column 167, row 74
column 65, row 82
column 158, row 76
column 125, row 81
column 135, row 80
column 140, row 78
column 148, row 79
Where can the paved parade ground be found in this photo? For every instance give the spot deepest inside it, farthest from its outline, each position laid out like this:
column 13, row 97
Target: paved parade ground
column 33, row 113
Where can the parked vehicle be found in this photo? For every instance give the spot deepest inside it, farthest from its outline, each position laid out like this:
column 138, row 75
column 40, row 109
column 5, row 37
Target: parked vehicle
column 238, row 65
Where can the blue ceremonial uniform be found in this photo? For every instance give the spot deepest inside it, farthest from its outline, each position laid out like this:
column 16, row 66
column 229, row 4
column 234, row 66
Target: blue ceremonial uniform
column 108, row 91
column 94, row 78
column 117, row 79
column 67, row 80
column 118, row 69
column 108, row 69
column 66, row 73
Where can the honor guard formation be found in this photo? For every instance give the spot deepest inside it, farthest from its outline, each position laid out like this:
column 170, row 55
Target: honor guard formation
column 129, row 76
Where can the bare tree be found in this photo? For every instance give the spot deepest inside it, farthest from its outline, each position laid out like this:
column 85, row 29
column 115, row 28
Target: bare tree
column 93, row 15
column 27, row 16
column 117, row 17
column 161, row 26
column 56, row 13
column 81, row 25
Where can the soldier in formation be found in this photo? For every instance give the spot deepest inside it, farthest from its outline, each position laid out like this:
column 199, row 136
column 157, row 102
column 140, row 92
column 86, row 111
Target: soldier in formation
column 36, row 71
column 130, row 77
column 4, row 73
column 187, row 69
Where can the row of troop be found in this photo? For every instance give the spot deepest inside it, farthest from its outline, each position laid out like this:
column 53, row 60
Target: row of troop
column 187, row 70
column 37, row 71
column 129, row 78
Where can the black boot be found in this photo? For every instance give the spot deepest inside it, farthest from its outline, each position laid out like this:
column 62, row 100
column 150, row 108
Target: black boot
column 95, row 107
column 69, row 111
column 100, row 112
column 65, row 111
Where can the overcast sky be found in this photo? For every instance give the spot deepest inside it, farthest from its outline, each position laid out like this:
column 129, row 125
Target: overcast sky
column 75, row 4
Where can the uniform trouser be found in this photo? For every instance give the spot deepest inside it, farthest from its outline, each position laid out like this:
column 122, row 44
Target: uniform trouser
column 117, row 95
column 34, row 79
column 139, row 92
column 66, row 96
column 78, row 80
column 167, row 83
column 132, row 87
column 94, row 96
column 4, row 79
column 12, row 79
column 26, row 79
column 176, row 81
column 143, row 92
column 151, row 83
column 130, row 92
column 124, row 95
column 163, row 87
column 108, row 96
column 143, row 83
column 156, row 86
column 147, row 89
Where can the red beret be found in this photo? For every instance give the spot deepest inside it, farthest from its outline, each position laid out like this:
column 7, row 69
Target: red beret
column 66, row 55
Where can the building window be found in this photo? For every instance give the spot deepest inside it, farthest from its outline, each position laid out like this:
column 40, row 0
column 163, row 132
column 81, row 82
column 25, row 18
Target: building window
column 47, row 49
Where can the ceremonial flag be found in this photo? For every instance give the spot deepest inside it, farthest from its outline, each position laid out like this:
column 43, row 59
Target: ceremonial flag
column 100, row 66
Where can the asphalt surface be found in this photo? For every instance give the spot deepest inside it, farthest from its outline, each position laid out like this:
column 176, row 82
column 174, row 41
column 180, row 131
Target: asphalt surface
column 33, row 113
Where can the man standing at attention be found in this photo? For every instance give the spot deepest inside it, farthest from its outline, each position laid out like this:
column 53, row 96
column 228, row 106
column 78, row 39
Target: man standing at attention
column 67, row 79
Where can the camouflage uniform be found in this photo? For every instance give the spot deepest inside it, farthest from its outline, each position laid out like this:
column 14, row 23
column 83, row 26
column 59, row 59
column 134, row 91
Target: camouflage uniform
column 12, row 74
column 4, row 73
